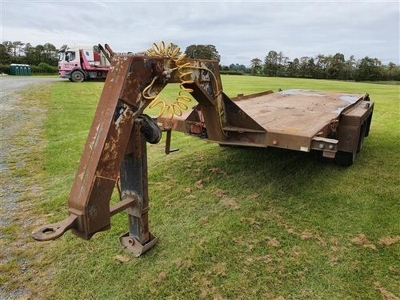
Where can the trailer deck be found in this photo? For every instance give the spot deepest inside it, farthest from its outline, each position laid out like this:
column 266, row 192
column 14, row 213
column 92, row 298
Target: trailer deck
column 296, row 112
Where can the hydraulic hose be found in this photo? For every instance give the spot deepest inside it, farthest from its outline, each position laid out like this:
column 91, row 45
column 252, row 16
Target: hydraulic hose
column 181, row 102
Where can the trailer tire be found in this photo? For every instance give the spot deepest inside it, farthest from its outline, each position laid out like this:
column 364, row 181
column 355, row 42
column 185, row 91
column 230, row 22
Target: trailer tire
column 345, row 159
column 77, row 76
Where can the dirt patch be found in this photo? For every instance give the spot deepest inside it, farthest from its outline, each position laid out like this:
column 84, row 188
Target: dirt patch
column 362, row 240
column 385, row 293
column 389, row 240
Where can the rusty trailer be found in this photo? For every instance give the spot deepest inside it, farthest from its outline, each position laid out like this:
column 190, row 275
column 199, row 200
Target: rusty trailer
column 115, row 151
column 335, row 124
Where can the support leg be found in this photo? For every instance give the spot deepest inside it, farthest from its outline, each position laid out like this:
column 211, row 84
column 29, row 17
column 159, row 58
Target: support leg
column 134, row 184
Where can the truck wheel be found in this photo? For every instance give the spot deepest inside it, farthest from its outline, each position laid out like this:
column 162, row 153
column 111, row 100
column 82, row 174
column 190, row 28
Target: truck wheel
column 345, row 159
column 77, row 76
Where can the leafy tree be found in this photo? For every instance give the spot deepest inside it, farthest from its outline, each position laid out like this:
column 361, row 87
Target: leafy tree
column 321, row 63
column 233, row 67
column 224, row 68
column 349, row 68
column 282, row 62
column 368, row 69
column 8, row 46
column 237, row 67
column 336, row 65
column 391, row 72
column 5, row 57
column 256, row 66
column 306, row 67
column 293, row 68
column 29, row 54
column 203, row 52
column 271, row 63
column 38, row 54
column 17, row 48
column 50, row 54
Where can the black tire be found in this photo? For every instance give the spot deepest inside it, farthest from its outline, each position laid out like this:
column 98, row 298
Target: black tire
column 77, row 76
column 345, row 159
column 150, row 130
column 320, row 157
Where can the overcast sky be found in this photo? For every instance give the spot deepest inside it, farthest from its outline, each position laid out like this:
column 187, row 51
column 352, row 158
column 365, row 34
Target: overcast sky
column 240, row 30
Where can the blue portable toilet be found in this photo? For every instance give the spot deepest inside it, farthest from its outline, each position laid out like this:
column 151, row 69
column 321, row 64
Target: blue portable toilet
column 13, row 69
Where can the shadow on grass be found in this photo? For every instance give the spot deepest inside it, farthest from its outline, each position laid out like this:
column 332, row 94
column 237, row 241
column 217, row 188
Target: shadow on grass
column 287, row 172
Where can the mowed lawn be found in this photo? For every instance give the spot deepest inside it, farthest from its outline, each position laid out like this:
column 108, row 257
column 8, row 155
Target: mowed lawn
column 233, row 223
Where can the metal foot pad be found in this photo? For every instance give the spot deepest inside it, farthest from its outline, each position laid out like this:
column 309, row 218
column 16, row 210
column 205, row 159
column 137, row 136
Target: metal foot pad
column 132, row 245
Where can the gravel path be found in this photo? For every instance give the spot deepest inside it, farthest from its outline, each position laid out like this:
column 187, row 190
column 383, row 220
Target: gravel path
column 11, row 84
column 20, row 125
column 12, row 118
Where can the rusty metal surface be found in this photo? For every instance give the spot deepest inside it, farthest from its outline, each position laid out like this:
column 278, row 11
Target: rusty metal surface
column 134, row 246
column 297, row 112
column 55, row 230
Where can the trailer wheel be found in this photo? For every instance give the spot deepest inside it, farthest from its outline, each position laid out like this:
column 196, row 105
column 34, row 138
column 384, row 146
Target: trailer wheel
column 77, row 76
column 345, row 159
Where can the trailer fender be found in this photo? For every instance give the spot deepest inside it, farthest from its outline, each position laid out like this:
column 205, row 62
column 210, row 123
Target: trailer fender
column 353, row 126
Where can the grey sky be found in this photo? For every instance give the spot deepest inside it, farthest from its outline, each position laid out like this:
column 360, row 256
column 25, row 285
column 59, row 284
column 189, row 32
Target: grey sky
column 240, row 30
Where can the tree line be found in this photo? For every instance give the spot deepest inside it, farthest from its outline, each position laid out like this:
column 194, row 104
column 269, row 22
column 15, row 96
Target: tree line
column 21, row 53
column 41, row 58
column 325, row 67
column 275, row 64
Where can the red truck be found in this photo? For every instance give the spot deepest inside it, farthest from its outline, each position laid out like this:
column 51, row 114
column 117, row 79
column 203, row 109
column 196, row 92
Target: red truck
column 82, row 62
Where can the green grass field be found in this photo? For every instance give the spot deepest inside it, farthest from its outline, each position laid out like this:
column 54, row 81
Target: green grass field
column 233, row 223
